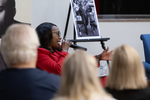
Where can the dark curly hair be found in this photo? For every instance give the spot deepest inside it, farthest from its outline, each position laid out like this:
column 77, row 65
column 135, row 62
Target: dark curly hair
column 44, row 32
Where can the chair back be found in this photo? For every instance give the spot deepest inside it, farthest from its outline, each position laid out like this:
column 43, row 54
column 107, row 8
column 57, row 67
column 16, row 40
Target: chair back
column 146, row 44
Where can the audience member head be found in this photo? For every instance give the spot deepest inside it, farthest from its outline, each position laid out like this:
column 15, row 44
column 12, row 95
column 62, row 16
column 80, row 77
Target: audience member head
column 49, row 35
column 19, row 45
column 127, row 71
column 80, row 79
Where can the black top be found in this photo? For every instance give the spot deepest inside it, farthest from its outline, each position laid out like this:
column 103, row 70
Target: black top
column 140, row 94
column 27, row 84
column 3, row 65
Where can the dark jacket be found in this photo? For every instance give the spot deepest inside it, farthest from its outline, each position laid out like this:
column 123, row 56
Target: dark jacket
column 27, row 84
column 137, row 94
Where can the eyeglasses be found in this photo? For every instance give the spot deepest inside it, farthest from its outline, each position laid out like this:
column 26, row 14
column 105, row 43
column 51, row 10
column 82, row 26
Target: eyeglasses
column 58, row 33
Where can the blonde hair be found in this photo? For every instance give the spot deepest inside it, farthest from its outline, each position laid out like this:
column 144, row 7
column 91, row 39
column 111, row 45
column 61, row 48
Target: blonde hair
column 19, row 44
column 127, row 71
column 79, row 78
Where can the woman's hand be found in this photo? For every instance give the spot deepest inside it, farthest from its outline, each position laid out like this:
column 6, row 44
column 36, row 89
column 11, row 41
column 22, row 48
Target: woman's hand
column 105, row 55
column 65, row 45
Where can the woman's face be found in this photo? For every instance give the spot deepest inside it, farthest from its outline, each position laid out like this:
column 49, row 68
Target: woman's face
column 55, row 37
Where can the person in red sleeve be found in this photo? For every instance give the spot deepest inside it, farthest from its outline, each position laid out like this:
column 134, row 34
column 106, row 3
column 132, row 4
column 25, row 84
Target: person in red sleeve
column 51, row 54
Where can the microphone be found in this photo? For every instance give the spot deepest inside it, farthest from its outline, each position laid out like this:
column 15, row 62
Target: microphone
column 77, row 47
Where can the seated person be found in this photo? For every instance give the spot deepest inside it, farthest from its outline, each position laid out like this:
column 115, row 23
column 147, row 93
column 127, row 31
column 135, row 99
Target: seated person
column 80, row 80
column 22, row 81
column 50, row 54
column 127, row 80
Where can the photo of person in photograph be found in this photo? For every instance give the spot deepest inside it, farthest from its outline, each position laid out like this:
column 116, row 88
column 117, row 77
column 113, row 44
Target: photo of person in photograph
column 7, row 14
column 85, row 18
column 91, row 18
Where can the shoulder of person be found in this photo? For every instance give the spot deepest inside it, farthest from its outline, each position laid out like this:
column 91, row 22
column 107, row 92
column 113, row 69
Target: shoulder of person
column 48, row 75
column 43, row 50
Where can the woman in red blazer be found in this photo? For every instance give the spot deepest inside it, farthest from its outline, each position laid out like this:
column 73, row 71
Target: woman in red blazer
column 50, row 54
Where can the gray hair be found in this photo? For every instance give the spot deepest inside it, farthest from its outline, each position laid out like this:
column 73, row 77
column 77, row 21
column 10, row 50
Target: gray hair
column 19, row 44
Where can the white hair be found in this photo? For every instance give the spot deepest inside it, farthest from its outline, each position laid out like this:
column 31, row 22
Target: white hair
column 19, row 44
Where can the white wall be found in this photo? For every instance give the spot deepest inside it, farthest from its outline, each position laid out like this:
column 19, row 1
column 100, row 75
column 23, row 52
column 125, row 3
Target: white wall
column 23, row 10
column 54, row 11
column 125, row 33
column 119, row 32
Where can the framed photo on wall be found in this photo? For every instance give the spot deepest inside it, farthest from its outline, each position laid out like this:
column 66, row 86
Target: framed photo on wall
column 85, row 19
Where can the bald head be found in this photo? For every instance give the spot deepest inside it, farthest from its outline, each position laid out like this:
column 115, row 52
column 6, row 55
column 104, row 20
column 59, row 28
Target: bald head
column 19, row 44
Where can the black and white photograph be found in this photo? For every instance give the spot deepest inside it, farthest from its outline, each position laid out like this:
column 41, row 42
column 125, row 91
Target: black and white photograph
column 7, row 14
column 85, row 19
column 13, row 12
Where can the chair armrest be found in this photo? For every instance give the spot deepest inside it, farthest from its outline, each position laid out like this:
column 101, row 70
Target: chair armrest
column 147, row 67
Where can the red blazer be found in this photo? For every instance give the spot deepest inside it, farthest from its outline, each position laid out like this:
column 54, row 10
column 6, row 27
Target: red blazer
column 51, row 61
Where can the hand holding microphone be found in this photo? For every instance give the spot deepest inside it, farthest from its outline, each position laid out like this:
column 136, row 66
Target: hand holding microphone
column 65, row 45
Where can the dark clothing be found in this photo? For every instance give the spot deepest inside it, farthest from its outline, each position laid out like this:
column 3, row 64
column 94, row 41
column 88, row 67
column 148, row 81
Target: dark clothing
column 140, row 94
column 84, row 17
column 27, row 84
column 3, row 65
column 89, row 9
